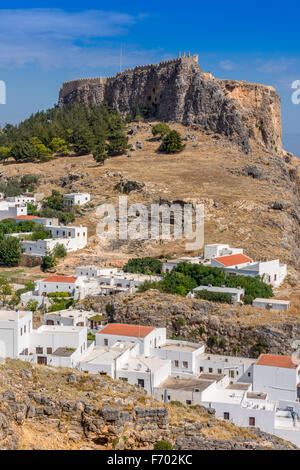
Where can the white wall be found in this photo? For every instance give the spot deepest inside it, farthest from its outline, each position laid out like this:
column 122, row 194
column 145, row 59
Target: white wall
column 278, row 383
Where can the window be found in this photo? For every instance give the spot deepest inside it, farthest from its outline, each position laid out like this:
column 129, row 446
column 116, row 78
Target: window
column 185, row 364
column 210, row 370
column 188, row 402
column 176, row 363
column 39, row 350
column 105, row 342
column 226, row 415
column 141, row 383
column 249, row 374
column 231, row 373
column 24, row 329
column 21, row 331
column 219, row 371
column 169, row 397
column 201, row 369
column 251, row 421
column 49, row 350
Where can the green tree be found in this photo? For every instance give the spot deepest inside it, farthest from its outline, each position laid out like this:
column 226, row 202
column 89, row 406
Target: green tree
column 10, row 251
column 162, row 129
column 118, row 144
column 4, row 153
column 48, row 262
column 43, row 151
column 100, row 153
column 59, row 146
column 24, row 151
column 172, row 143
column 83, row 140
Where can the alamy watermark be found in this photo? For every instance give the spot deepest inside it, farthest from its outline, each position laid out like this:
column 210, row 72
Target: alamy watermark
column 296, row 94
column 2, row 92
column 155, row 222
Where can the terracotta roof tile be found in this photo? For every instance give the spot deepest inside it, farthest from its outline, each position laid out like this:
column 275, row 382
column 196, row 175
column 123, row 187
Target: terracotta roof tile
column 272, row 360
column 233, row 260
column 120, row 329
column 55, row 278
column 25, row 217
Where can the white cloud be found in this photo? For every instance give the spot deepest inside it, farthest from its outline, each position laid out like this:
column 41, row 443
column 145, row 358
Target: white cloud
column 228, row 65
column 56, row 38
column 276, row 66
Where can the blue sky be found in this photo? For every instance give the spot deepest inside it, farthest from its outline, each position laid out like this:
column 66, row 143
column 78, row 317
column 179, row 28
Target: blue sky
column 42, row 47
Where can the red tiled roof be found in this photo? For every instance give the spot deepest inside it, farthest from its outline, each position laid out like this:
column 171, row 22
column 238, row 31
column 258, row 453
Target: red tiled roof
column 66, row 279
column 121, row 329
column 272, row 360
column 233, row 260
column 25, row 217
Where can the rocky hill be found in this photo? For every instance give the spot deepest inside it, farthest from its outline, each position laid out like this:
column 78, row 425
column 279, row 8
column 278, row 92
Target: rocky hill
column 43, row 408
column 179, row 91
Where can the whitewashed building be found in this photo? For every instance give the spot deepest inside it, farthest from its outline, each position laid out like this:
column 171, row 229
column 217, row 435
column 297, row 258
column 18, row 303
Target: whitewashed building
column 15, row 330
column 76, row 199
column 69, row 317
column 236, row 294
column 275, row 304
column 217, row 250
column 72, row 238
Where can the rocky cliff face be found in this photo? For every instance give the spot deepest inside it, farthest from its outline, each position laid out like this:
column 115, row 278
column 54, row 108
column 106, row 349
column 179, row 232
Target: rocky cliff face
column 179, row 91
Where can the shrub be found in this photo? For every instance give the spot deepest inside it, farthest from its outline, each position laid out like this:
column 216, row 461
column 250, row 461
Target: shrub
column 32, row 305
column 163, row 445
column 180, row 321
column 161, row 129
column 172, row 143
column 143, row 266
column 48, row 262
column 59, row 251
column 214, row 296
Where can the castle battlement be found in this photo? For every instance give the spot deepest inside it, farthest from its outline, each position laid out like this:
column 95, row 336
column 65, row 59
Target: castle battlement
column 72, row 85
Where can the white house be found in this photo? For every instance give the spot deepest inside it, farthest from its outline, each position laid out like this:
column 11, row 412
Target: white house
column 59, row 346
column 236, row 294
column 278, row 376
column 69, row 317
column 39, row 220
column 94, row 271
column 236, row 261
column 76, row 199
column 147, row 337
column 184, row 356
column 22, row 199
column 15, row 330
column 276, row 304
column 73, row 239
column 218, row 250
column 9, row 210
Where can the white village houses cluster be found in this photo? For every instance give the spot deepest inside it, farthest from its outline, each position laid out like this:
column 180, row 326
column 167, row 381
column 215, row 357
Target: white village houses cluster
column 72, row 238
column 262, row 393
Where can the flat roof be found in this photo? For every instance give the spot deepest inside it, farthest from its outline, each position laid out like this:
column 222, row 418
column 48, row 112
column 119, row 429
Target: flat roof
column 189, row 385
column 121, row 329
column 272, row 301
column 272, row 360
column 103, row 355
column 143, row 364
column 238, row 386
column 230, row 359
column 257, row 395
column 214, row 377
column 52, row 329
column 63, row 352
column 229, row 290
column 69, row 313
column 180, row 346
column 10, row 315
